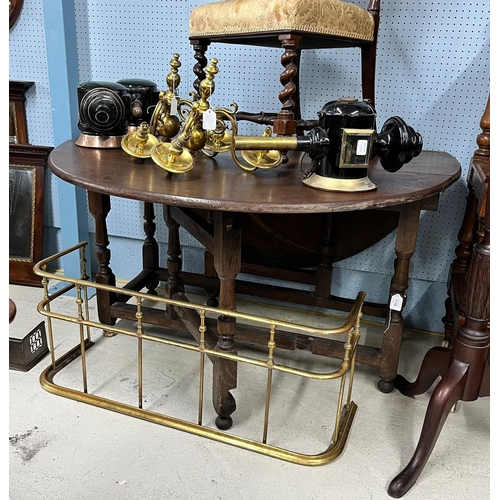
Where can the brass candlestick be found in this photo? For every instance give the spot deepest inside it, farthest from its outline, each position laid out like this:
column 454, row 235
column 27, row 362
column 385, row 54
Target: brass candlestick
column 139, row 143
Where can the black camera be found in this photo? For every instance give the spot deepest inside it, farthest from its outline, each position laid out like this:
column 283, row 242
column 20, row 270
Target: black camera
column 103, row 114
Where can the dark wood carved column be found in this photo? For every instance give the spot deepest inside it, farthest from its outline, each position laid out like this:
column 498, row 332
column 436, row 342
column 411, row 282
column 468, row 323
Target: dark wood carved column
column 285, row 123
column 150, row 255
column 227, row 262
column 467, row 236
column 174, row 263
column 99, row 207
column 465, row 367
column 200, row 49
column 406, row 241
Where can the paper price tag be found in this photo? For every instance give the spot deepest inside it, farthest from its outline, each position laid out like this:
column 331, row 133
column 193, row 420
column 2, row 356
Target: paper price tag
column 361, row 147
column 209, row 119
column 396, row 302
column 174, row 107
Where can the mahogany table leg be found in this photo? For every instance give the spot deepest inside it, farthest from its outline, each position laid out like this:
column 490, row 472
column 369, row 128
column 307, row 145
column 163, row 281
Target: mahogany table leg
column 150, row 257
column 467, row 378
column 447, row 393
column 227, row 262
column 434, row 365
column 99, row 207
column 406, row 241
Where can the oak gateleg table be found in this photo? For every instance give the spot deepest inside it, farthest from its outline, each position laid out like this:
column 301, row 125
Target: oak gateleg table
column 208, row 202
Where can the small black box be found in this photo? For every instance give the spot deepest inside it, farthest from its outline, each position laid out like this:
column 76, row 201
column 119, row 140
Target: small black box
column 25, row 353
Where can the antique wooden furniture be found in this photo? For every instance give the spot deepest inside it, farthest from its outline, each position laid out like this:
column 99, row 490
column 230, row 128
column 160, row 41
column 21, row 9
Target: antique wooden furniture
column 465, row 365
column 26, row 189
column 18, row 128
column 208, row 201
column 292, row 25
column 26, row 194
column 273, row 248
column 477, row 183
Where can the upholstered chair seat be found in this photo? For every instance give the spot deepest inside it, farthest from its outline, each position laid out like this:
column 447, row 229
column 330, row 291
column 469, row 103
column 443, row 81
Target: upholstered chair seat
column 325, row 17
column 293, row 25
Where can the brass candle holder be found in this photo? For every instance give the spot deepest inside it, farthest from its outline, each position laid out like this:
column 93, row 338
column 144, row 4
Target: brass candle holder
column 341, row 147
column 196, row 126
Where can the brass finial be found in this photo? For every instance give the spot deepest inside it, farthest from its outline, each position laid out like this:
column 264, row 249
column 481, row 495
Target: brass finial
column 173, row 78
column 164, row 122
column 207, row 86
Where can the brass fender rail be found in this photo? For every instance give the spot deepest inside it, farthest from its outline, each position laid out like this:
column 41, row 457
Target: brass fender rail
column 345, row 411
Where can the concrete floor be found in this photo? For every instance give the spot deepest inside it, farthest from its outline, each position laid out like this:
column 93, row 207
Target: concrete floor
column 61, row 449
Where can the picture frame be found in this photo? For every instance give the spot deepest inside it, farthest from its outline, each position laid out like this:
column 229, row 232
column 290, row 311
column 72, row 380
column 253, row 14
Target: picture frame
column 26, row 201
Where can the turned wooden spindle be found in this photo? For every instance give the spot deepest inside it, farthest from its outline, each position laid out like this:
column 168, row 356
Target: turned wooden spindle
column 483, row 139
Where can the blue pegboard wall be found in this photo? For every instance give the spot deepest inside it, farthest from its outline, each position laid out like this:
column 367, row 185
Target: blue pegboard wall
column 28, row 62
column 432, row 70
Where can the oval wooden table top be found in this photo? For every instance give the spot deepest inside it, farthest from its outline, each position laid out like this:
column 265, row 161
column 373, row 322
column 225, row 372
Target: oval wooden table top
column 219, row 184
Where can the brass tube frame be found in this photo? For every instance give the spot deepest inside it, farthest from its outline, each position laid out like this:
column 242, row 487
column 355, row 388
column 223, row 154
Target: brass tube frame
column 249, row 143
column 345, row 409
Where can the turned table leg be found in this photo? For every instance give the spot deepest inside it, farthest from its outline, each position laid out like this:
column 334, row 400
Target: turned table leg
column 212, row 292
column 150, row 256
column 99, row 207
column 227, row 262
column 406, row 241
column 174, row 263
column 210, row 271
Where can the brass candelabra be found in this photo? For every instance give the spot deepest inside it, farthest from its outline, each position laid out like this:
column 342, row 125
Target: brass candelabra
column 180, row 128
column 340, row 148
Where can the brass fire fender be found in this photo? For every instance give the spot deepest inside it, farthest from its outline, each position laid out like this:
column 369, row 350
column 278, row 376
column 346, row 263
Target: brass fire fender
column 345, row 410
